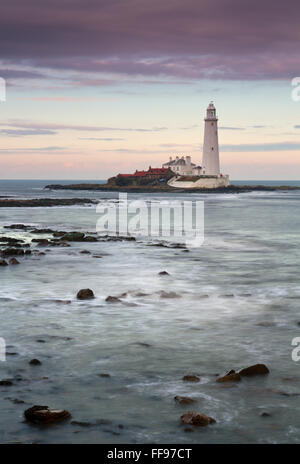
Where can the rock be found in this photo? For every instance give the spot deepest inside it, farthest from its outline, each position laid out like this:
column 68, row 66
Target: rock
column 256, row 369
column 230, row 377
column 58, row 233
column 163, row 273
column 85, row 294
column 12, row 252
column 196, row 418
column 184, row 400
column 81, row 423
column 85, row 252
column 35, row 362
column 6, row 383
column 113, row 299
column 164, row 294
column 265, row 414
column 191, row 378
column 41, row 253
column 104, row 375
column 45, row 415
column 73, row 236
column 14, row 261
column 89, row 238
column 41, row 241
column 3, row 262
column 17, row 401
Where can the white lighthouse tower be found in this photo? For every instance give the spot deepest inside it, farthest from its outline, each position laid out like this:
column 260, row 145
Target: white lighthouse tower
column 210, row 159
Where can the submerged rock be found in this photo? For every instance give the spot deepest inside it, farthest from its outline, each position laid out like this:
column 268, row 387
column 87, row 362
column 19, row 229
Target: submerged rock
column 162, row 273
column 12, row 252
column 81, row 423
column 164, row 294
column 232, row 376
column 196, row 418
column 256, row 369
column 14, row 261
column 3, row 262
column 73, row 236
column 191, row 378
column 113, row 299
column 6, row 383
column 265, row 414
column 45, row 415
column 184, row 400
column 85, row 294
column 35, row 362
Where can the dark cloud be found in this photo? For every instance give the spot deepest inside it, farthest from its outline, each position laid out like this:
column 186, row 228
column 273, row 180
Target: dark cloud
column 191, row 39
column 25, row 132
column 231, row 128
column 25, row 150
column 34, row 126
column 103, row 139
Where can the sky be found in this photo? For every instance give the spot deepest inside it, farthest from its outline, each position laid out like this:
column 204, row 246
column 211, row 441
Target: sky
column 99, row 87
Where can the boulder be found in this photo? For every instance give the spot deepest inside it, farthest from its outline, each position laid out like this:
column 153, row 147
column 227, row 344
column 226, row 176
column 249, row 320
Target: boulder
column 35, row 362
column 89, row 238
column 196, row 418
column 6, row 383
column 73, row 236
column 12, row 252
column 163, row 273
column 191, row 378
column 256, row 369
column 112, row 299
column 184, row 400
column 85, row 294
column 14, row 261
column 3, row 262
column 164, row 294
column 45, row 415
column 232, row 376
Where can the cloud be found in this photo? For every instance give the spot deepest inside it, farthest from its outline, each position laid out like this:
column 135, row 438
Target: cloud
column 25, row 132
column 137, row 38
column 30, row 149
column 231, row 128
column 277, row 146
column 31, row 125
column 103, row 139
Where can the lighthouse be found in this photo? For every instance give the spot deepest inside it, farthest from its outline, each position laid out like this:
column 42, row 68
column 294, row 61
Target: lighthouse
column 210, row 159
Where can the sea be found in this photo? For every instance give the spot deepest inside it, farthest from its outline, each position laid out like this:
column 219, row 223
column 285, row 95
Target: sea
column 116, row 366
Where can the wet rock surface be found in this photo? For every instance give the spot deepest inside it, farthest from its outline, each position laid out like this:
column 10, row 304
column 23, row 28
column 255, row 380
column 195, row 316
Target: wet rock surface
column 191, row 378
column 184, row 400
column 256, row 369
column 85, row 294
column 44, row 415
column 113, row 299
column 35, row 362
column 35, row 202
column 196, row 418
column 232, row 376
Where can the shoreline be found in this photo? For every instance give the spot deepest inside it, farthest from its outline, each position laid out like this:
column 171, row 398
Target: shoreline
column 167, row 189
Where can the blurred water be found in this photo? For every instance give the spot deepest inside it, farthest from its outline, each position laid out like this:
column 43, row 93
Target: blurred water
column 238, row 304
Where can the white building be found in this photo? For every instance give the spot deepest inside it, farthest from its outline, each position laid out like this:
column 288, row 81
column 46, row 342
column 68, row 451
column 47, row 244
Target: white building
column 182, row 166
column 208, row 174
column 210, row 159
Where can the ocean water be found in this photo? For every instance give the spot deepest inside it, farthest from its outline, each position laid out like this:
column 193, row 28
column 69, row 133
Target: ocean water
column 237, row 304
